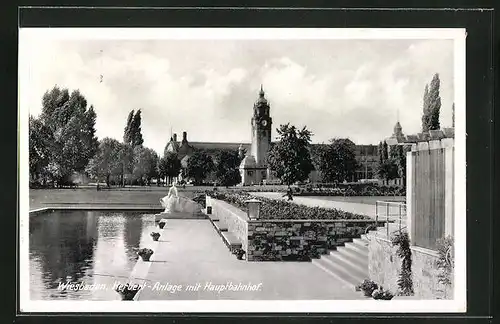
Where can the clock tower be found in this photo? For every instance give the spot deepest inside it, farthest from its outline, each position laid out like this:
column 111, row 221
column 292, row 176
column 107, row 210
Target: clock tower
column 261, row 134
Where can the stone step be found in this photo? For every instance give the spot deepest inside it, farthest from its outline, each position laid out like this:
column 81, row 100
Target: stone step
column 231, row 241
column 354, row 258
column 357, row 267
column 338, row 272
column 357, row 253
column 213, row 218
column 362, row 242
column 362, row 249
column 220, row 226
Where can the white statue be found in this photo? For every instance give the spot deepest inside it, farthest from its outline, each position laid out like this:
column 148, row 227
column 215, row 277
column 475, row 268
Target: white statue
column 171, row 201
column 175, row 203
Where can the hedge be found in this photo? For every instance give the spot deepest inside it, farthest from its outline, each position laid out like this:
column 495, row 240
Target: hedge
column 281, row 209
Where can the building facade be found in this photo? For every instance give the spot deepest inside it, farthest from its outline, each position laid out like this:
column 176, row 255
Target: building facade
column 253, row 168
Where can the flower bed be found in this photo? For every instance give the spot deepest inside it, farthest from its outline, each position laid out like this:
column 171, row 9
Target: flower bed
column 351, row 190
column 280, row 209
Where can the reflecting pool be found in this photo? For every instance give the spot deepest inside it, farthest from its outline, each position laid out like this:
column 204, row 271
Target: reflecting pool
column 80, row 255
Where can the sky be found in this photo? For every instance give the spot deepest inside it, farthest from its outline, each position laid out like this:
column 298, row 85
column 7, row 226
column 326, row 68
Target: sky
column 337, row 88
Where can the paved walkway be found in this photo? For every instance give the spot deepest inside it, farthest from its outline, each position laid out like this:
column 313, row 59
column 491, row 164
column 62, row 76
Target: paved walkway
column 357, row 208
column 190, row 252
column 363, row 208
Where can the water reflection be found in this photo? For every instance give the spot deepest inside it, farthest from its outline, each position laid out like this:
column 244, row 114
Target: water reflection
column 83, row 246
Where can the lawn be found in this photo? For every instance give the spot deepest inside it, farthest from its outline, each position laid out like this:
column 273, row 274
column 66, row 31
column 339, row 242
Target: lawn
column 128, row 196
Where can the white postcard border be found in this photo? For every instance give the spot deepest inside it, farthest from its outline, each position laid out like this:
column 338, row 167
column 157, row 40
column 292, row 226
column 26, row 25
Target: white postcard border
column 458, row 304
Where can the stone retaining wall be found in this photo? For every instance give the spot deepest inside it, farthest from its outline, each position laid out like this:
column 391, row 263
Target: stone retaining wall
column 283, row 240
column 299, row 240
column 385, row 265
column 234, row 218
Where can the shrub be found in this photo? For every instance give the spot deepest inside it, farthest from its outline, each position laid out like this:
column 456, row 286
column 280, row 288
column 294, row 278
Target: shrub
column 145, row 253
column 382, row 294
column 405, row 281
column 445, row 262
column 240, row 253
column 280, row 209
column 128, row 291
column 368, row 287
column 353, row 189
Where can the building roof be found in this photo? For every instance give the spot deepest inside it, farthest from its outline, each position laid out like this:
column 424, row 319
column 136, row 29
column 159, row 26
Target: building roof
column 219, row 145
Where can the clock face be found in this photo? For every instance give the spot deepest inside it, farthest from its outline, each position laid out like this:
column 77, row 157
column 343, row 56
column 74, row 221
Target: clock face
column 264, row 122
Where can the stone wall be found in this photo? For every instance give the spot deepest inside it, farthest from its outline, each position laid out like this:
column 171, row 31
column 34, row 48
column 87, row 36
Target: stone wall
column 385, row 265
column 234, row 218
column 299, row 240
column 286, row 240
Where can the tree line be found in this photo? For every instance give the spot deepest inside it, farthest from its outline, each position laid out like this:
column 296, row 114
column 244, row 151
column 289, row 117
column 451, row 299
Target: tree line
column 293, row 157
column 62, row 144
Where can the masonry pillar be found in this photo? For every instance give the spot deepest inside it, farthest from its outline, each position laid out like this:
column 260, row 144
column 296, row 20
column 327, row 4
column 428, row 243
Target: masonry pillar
column 410, row 190
column 449, row 159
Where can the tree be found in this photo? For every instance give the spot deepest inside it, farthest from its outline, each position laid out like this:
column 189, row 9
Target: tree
column 126, row 159
column 227, row 167
column 126, row 133
column 40, row 141
column 199, row 165
column 426, row 110
column 106, row 162
column 338, row 160
column 132, row 134
column 136, row 135
column 152, row 166
column 290, row 158
column 434, row 103
column 172, row 165
column 72, row 125
column 385, row 151
column 381, row 153
column 401, row 162
column 387, row 170
column 161, row 168
column 145, row 160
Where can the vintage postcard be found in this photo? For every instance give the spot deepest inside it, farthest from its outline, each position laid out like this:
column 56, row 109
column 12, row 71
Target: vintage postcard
column 242, row 170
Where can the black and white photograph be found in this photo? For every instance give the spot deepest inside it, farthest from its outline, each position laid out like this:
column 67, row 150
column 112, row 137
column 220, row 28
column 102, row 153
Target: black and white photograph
column 242, row 170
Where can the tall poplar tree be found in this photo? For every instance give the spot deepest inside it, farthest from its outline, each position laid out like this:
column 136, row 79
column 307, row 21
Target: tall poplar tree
column 426, row 112
column 434, row 103
column 126, row 133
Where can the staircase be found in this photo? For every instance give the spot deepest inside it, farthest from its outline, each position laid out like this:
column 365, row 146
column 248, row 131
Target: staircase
column 348, row 263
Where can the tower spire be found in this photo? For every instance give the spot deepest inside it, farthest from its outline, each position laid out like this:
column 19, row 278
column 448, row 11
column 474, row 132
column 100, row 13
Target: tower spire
column 261, row 92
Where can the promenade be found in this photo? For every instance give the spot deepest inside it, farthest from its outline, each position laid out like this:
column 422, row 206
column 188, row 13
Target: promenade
column 192, row 263
column 365, row 207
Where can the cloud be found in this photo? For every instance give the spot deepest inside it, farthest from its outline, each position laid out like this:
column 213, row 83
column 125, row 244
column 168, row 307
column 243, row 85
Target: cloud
column 337, row 88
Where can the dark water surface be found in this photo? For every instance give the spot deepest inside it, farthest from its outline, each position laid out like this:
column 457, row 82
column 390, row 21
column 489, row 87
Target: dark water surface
column 92, row 248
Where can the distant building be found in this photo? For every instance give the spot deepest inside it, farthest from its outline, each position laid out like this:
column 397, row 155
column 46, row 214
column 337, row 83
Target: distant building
column 253, row 167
